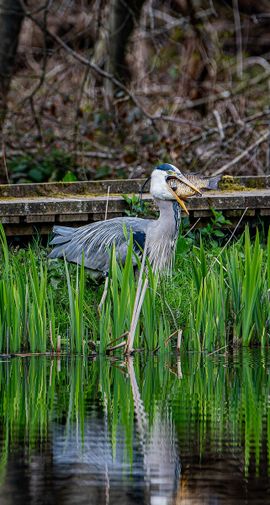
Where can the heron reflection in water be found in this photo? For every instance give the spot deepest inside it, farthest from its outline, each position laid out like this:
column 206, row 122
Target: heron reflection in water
column 117, row 465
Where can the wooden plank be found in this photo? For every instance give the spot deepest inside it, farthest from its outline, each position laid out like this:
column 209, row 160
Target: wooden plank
column 201, row 213
column 41, row 218
column 101, row 215
column 265, row 212
column 239, row 212
column 65, row 218
column 10, row 219
column 27, row 230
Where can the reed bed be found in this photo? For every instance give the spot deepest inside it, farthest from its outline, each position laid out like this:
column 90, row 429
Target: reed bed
column 30, row 307
column 231, row 302
column 26, row 304
column 219, row 297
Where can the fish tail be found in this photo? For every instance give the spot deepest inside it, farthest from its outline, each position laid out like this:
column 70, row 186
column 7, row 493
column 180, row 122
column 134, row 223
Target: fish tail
column 213, row 182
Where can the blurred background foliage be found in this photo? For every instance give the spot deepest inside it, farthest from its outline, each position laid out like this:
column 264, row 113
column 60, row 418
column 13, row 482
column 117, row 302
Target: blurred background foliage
column 106, row 88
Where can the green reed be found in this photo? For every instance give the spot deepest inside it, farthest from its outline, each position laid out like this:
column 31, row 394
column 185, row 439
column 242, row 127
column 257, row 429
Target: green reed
column 76, row 295
column 230, row 302
column 116, row 313
column 26, row 309
column 30, row 307
column 219, row 300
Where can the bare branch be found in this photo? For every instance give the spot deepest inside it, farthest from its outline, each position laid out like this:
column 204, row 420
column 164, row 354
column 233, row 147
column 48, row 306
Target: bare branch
column 101, row 72
column 219, row 125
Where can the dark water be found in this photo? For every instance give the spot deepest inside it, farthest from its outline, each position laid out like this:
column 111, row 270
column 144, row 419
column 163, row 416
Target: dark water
column 148, row 431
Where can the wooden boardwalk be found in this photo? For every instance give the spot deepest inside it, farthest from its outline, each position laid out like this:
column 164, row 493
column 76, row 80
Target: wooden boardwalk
column 26, row 208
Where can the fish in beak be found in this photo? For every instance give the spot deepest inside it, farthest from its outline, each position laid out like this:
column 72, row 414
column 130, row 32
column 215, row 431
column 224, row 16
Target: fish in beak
column 183, row 180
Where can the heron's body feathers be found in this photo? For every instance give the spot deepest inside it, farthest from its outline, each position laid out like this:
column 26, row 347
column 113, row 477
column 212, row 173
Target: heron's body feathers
column 93, row 241
column 62, row 234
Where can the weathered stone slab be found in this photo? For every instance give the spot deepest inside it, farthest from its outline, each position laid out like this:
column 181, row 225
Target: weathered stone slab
column 58, row 189
column 119, row 186
column 255, row 199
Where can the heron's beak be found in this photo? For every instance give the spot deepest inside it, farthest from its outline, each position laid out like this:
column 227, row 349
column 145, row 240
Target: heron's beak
column 183, row 180
column 181, row 202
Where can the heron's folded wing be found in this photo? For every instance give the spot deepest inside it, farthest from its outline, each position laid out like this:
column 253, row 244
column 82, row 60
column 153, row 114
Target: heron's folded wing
column 93, row 241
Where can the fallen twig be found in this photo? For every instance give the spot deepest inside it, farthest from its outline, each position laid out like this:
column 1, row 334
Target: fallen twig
column 170, row 337
column 217, row 350
column 212, row 131
column 117, row 346
column 118, row 338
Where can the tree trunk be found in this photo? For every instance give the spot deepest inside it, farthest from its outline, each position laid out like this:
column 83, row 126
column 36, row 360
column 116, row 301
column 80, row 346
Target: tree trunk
column 124, row 14
column 11, row 16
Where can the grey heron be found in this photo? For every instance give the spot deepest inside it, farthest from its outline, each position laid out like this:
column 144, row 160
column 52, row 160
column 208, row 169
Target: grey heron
column 93, row 241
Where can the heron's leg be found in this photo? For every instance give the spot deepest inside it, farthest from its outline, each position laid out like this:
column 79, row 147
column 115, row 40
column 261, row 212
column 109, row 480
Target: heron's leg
column 104, row 294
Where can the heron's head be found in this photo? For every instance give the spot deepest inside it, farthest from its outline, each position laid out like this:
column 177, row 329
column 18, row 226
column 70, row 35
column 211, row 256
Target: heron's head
column 161, row 190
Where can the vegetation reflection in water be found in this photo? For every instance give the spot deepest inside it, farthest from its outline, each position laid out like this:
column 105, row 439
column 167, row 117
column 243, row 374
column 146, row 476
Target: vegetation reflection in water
column 204, row 400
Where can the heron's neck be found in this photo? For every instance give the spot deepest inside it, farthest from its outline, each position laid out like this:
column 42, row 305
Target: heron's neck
column 162, row 235
column 169, row 216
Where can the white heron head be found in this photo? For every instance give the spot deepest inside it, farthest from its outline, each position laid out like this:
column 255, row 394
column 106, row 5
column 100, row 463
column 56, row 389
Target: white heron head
column 159, row 188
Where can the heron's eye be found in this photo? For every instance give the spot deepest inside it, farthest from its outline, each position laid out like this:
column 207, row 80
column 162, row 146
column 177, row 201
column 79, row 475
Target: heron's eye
column 173, row 184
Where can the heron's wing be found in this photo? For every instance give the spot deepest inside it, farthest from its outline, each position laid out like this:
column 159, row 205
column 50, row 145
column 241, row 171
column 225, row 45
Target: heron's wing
column 93, row 241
